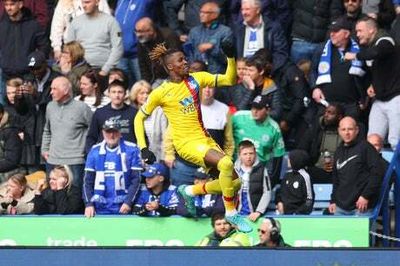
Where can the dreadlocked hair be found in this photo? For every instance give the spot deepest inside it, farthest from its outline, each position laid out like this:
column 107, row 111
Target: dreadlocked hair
column 158, row 53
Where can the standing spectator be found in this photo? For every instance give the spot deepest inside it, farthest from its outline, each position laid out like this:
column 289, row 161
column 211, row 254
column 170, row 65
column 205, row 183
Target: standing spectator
column 100, row 36
column 382, row 56
column 258, row 127
column 38, row 9
column 10, row 147
column 206, row 204
column 91, row 93
column 339, row 81
column 16, row 197
column 64, row 135
column 22, row 35
column 149, row 36
column 157, row 197
column 357, row 173
column 65, row 12
column 59, row 196
column 21, row 111
column 294, row 93
column 296, row 195
column 205, row 39
column 255, row 191
column 117, row 110
column 223, row 233
column 72, row 64
column 310, row 24
column 127, row 13
column 111, row 179
column 41, row 80
column 257, row 32
column 269, row 234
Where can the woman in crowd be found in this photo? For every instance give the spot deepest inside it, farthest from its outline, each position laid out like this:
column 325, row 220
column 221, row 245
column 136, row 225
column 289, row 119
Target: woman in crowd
column 16, row 197
column 156, row 124
column 59, row 196
column 72, row 63
column 91, row 93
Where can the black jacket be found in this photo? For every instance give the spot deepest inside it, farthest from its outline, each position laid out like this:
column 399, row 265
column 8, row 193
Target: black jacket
column 383, row 58
column 357, row 171
column 151, row 71
column 19, row 39
column 311, row 18
column 10, row 147
column 59, row 201
column 274, row 41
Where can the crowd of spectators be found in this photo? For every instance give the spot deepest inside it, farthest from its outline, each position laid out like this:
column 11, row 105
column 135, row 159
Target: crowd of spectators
column 314, row 80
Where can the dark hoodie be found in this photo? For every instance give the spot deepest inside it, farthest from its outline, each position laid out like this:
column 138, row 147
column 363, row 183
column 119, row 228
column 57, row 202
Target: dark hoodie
column 19, row 39
column 296, row 191
column 357, row 171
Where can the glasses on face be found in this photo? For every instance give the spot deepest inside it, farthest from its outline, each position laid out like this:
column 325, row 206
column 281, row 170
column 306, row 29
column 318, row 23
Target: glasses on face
column 261, row 231
column 142, row 30
column 352, row 1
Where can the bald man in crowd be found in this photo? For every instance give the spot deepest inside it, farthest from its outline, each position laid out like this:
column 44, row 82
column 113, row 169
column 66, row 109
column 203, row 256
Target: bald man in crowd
column 64, row 135
column 357, row 174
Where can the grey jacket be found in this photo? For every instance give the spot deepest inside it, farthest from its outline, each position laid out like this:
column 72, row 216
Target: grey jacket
column 65, row 131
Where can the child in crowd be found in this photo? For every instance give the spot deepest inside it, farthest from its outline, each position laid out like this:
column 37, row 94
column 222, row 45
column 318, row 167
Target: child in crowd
column 296, row 195
column 255, row 191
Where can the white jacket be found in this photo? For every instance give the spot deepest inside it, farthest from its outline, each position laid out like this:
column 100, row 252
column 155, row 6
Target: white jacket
column 64, row 13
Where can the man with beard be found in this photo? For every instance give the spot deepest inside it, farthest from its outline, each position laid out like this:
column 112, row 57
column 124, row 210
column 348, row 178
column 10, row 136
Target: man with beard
column 148, row 36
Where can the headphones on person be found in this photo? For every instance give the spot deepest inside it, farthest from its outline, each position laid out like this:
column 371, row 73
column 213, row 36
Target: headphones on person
column 274, row 234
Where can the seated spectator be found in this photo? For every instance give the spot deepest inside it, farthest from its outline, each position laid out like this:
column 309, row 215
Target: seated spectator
column 269, row 234
column 10, row 147
column 296, row 195
column 357, row 173
column 22, row 115
column 156, row 197
column 116, row 110
column 72, row 64
column 206, row 204
column 111, row 178
column 255, row 191
column 224, row 234
column 59, row 196
column 16, row 197
column 156, row 124
column 117, row 74
column 91, row 93
column 320, row 141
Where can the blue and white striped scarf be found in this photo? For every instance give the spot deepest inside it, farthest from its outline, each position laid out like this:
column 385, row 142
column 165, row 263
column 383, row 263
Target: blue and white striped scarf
column 324, row 66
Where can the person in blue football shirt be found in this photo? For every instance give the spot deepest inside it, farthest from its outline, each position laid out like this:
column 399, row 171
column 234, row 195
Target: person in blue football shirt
column 157, row 197
column 112, row 169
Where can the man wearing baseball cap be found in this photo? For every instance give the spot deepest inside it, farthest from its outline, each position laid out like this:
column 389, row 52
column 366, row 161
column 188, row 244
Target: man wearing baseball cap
column 339, row 81
column 157, row 197
column 257, row 126
column 111, row 180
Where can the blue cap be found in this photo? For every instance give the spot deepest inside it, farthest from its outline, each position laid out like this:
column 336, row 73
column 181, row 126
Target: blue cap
column 156, row 169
